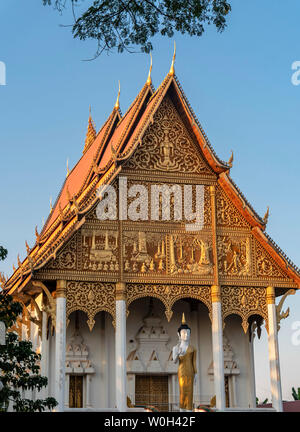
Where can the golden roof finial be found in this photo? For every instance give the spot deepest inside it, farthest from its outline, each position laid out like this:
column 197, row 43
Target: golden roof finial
column 27, row 247
column 117, row 104
column 51, row 207
column 91, row 132
column 149, row 80
column 68, row 171
column 266, row 216
column 230, row 159
column 183, row 319
column 172, row 70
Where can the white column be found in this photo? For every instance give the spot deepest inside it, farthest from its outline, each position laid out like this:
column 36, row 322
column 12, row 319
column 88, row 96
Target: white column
column 60, row 345
column 121, row 393
column 252, row 370
column 274, row 351
column 88, row 391
column 45, row 354
column 217, row 343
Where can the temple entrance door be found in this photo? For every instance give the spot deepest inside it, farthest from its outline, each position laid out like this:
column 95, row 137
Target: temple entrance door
column 152, row 390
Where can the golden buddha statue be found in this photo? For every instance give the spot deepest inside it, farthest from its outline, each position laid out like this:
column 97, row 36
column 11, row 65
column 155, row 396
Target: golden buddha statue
column 185, row 354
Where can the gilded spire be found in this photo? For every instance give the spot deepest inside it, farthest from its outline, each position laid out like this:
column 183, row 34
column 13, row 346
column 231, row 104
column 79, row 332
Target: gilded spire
column 117, row 104
column 91, row 132
column 266, row 216
column 230, row 159
column 68, row 171
column 51, row 207
column 149, row 80
column 172, row 70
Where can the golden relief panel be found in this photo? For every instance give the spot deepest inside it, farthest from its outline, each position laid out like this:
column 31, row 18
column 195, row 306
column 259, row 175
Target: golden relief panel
column 152, row 253
column 66, row 259
column 227, row 214
column 234, row 256
column 167, row 146
column 244, row 301
column 265, row 265
column 100, row 249
column 169, row 294
column 91, row 298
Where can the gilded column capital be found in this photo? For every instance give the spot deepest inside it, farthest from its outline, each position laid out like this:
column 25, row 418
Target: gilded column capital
column 61, row 288
column 212, row 189
column 215, row 293
column 120, row 291
column 270, row 295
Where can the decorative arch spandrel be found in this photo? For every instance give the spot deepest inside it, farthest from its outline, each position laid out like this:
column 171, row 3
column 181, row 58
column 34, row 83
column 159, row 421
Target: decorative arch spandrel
column 91, row 298
column 169, row 294
column 245, row 302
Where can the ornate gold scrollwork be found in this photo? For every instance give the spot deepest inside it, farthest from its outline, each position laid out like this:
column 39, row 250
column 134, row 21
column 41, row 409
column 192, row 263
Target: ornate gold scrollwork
column 91, row 298
column 279, row 313
column 169, row 294
column 49, row 308
column 244, row 301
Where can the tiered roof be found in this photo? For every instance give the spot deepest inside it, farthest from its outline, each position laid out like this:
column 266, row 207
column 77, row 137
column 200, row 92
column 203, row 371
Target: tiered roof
column 102, row 160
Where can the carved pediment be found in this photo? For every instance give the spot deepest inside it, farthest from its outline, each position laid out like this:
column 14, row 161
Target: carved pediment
column 227, row 214
column 167, row 146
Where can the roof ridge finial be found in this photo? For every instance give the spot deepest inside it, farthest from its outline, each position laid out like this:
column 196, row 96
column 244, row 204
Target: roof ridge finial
column 91, row 132
column 68, row 171
column 117, row 104
column 51, row 207
column 266, row 216
column 149, row 80
column 172, row 70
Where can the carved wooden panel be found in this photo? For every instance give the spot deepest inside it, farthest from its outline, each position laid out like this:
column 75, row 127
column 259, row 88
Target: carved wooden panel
column 244, row 301
column 149, row 253
column 66, row 258
column 91, row 298
column 234, row 256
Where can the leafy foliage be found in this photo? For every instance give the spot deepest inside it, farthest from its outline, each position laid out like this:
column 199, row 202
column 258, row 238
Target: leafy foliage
column 296, row 394
column 19, row 365
column 122, row 24
column 3, row 253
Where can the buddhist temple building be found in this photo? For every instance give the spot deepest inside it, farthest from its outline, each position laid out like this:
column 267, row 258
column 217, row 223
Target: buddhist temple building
column 149, row 225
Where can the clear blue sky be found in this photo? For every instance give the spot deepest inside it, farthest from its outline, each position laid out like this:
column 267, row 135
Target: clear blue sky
column 238, row 83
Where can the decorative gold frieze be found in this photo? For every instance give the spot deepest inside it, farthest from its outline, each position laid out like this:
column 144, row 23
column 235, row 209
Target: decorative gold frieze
column 167, row 146
column 244, row 301
column 234, row 256
column 154, row 253
column 91, row 298
column 100, row 249
column 169, row 294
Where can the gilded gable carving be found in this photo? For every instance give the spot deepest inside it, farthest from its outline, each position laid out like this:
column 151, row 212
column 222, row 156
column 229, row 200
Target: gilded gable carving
column 66, row 259
column 234, row 255
column 227, row 214
column 167, row 146
column 265, row 265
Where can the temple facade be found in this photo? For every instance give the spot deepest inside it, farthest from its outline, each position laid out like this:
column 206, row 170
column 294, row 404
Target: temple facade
column 148, row 225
